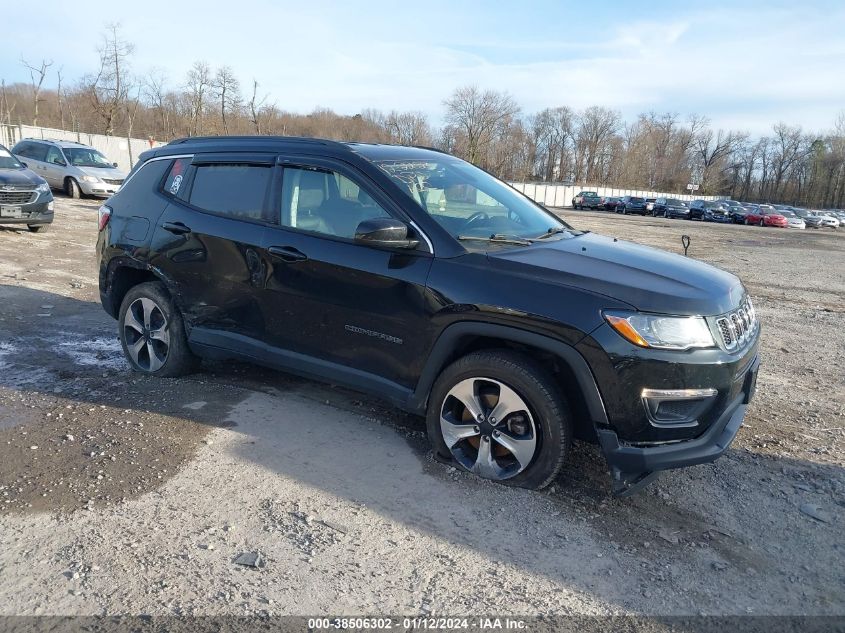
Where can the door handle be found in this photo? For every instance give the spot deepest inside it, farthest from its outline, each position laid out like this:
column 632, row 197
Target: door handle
column 177, row 228
column 287, row 254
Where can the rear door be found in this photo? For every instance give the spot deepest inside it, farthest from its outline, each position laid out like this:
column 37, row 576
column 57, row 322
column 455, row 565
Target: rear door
column 208, row 242
column 55, row 167
column 331, row 298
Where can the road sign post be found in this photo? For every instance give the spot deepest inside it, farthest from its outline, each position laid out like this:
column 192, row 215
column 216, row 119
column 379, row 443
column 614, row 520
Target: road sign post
column 692, row 187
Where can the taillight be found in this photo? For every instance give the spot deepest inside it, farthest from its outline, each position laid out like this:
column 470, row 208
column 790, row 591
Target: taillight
column 104, row 215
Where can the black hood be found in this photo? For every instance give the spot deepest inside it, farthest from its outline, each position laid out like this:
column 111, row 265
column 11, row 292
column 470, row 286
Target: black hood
column 646, row 278
column 20, row 178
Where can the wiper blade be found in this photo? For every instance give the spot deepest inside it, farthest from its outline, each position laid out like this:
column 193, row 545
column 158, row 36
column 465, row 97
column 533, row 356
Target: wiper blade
column 555, row 230
column 498, row 238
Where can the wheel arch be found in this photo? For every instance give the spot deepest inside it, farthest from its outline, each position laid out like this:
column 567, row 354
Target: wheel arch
column 121, row 277
column 569, row 369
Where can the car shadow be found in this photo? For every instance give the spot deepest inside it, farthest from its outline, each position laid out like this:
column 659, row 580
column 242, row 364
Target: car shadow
column 63, row 353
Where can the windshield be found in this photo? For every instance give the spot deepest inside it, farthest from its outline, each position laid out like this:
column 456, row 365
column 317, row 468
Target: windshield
column 7, row 161
column 468, row 201
column 86, row 157
column 633, row 199
column 731, row 203
column 788, row 214
column 675, row 203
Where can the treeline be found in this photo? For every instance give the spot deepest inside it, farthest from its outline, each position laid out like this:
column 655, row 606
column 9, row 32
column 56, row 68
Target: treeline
column 661, row 152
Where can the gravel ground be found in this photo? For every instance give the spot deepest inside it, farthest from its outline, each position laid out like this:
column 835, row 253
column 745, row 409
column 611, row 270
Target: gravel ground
column 125, row 495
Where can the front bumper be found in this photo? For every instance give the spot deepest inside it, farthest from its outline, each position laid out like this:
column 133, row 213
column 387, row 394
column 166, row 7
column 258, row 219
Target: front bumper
column 34, row 214
column 634, row 466
column 101, row 189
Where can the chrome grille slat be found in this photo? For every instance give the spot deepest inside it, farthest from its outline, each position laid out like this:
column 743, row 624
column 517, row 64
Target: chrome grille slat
column 738, row 326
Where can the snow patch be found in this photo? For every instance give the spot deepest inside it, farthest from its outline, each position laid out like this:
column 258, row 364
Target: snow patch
column 102, row 351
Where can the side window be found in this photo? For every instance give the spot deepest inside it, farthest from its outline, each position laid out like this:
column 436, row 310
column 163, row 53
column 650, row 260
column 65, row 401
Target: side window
column 37, row 151
column 175, row 176
column 236, row 190
column 54, row 156
column 325, row 202
column 22, row 150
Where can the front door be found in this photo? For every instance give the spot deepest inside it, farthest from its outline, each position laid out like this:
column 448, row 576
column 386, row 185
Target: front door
column 352, row 306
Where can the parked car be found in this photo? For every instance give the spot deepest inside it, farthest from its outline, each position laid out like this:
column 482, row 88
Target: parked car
column 608, row 203
column 413, row 275
column 631, row 204
column 736, row 210
column 670, row 208
column 766, row 215
column 649, row 204
column 25, row 196
column 828, row 221
column 811, row 221
column 716, row 211
column 587, row 200
column 793, row 221
column 74, row 168
column 697, row 208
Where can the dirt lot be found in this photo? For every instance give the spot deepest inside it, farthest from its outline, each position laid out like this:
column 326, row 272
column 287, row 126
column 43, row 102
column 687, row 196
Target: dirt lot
column 121, row 494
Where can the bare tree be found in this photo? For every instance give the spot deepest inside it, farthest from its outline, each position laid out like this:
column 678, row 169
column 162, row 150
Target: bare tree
column 408, row 128
column 110, row 87
column 255, row 106
column 198, row 85
column 5, row 109
column 59, row 102
column 476, row 115
column 36, row 77
column 227, row 89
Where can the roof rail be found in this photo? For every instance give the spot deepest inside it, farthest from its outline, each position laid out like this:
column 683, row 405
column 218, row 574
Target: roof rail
column 254, row 138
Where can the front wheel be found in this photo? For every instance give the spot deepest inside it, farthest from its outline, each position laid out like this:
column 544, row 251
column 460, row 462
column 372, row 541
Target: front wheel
column 72, row 189
column 500, row 415
column 35, row 228
column 152, row 332
column 762, row 223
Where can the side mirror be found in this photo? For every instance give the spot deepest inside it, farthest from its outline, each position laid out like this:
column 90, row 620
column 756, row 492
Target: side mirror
column 114, row 164
column 24, row 164
column 384, row 232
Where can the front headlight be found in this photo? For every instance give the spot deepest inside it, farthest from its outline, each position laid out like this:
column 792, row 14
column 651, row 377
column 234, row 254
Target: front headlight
column 90, row 179
column 661, row 332
column 43, row 188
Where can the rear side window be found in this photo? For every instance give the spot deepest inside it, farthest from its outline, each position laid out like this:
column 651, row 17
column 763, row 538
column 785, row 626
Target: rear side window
column 236, row 190
column 176, row 175
column 35, row 151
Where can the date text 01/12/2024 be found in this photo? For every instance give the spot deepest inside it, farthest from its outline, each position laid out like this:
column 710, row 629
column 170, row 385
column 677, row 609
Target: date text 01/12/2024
column 416, row 623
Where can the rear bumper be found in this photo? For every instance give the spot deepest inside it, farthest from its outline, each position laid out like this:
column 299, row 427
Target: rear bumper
column 633, row 466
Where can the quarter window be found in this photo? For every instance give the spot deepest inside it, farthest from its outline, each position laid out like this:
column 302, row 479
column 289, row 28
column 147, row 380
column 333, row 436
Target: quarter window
column 325, row 202
column 176, row 175
column 236, row 190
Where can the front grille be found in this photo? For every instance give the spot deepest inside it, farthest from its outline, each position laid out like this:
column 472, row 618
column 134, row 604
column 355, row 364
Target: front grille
column 19, row 196
column 113, row 181
column 737, row 328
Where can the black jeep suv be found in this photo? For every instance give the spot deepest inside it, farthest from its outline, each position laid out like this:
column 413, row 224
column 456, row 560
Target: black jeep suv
column 412, row 275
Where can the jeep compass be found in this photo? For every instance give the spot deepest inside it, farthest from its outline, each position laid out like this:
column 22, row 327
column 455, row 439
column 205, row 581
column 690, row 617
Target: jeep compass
column 412, row 275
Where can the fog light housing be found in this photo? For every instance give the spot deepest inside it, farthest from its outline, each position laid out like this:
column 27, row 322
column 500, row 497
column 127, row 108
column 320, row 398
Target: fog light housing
column 676, row 408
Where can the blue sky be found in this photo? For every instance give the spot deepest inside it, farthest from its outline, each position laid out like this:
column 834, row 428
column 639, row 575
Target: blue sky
column 746, row 65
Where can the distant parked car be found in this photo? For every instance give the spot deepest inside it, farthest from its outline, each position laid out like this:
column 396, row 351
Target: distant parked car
column 828, row 221
column 631, row 204
column 697, row 208
column 586, row 200
column 74, row 168
column 736, row 210
column 767, row 215
column 811, row 221
column 670, row 208
column 793, row 221
column 649, row 204
column 608, row 203
column 716, row 211
column 25, row 196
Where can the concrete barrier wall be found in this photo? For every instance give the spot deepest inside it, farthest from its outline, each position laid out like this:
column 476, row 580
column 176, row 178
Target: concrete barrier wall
column 117, row 149
column 550, row 195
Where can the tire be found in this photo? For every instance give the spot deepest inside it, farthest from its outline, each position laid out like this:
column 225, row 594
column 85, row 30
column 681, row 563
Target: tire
column 156, row 357
column 72, row 189
column 745, row 222
column 624, row 210
column 547, row 411
column 762, row 223
column 35, row 228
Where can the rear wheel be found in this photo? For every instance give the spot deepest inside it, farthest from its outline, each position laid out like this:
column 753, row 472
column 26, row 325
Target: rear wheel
column 500, row 415
column 35, row 228
column 762, row 223
column 152, row 332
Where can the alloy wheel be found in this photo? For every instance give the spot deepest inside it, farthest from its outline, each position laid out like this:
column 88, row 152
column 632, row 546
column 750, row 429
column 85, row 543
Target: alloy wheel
column 146, row 333
column 488, row 428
